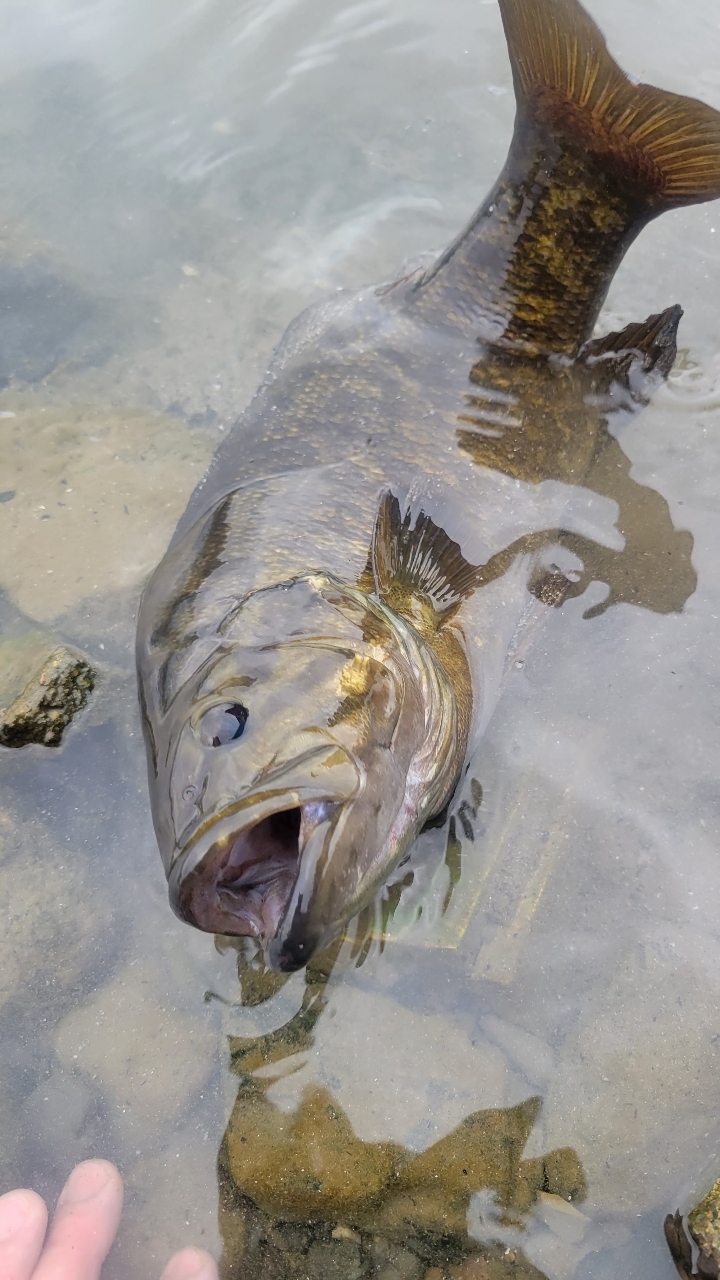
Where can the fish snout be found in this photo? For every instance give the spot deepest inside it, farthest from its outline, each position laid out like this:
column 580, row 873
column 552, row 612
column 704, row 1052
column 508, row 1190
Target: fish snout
column 242, row 877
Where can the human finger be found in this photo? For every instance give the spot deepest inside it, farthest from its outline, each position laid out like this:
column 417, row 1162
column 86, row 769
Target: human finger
column 23, row 1220
column 84, row 1224
column 190, row 1264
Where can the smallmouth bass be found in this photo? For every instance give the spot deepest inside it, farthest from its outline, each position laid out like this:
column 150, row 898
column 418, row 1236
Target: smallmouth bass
column 427, row 467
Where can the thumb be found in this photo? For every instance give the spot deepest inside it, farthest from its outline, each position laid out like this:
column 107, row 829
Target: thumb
column 190, row 1264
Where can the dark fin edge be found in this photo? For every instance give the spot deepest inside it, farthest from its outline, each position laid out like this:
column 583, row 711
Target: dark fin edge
column 678, row 1244
column 420, row 560
column 664, row 146
column 638, row 356
column 655, row 339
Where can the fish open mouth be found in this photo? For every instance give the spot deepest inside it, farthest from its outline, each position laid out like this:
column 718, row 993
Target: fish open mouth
column 253, row 867
column 243, row 884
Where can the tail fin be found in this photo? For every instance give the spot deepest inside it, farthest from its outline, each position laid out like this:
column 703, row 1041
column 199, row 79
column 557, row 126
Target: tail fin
column 594, row 158
column 664, row 146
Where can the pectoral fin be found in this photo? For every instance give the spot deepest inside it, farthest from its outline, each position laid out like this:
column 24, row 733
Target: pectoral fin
column 638, row 357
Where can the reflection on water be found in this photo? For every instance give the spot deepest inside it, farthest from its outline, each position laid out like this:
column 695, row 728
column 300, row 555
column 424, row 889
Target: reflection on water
column 174, row 190
column 562, row 432
column 301, row 1193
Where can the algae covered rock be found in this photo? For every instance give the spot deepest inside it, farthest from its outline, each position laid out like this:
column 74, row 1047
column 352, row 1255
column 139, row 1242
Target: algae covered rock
column 370, row 1208
column 51, row 695
column 309, row 1164
column 704, row 1224
column 303, row 1194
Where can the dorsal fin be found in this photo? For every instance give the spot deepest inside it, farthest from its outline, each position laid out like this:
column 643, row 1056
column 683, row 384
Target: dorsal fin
column 415, row 566
column 594, row 157
column 414, row 561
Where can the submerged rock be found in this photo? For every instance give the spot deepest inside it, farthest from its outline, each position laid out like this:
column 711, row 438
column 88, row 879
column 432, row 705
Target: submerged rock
column 335, row 1260
column 302, row 1193
column 54, row 694
column 704, row 1224
column 704, row 1227
column 681, row 1251
column 309, row 1164
column 371, row 1208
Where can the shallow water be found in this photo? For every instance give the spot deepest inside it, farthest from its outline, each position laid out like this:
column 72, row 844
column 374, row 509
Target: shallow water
column 178, row 181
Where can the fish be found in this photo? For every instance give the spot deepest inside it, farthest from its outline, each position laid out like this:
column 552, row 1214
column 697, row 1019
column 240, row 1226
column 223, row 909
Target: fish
column 429, row 467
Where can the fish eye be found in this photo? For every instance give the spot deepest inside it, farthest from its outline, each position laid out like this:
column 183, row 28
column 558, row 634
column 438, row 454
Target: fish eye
column 222, row 724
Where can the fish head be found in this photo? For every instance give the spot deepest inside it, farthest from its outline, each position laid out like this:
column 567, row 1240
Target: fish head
column 301, row 759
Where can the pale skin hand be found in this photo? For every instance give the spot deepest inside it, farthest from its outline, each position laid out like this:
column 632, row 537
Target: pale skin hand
column 81, row 1233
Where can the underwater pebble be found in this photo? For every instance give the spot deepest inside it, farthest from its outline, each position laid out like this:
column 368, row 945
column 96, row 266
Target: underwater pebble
column 404, row 1265
column 562, row 1218
column 479, row 1269
column 556, row 1258
column 336, row 1260
column 346, row 1233
column 393, row 1262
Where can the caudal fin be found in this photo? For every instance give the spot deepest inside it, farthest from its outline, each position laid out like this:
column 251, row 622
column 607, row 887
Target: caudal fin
column 594, row 157
column 664, row 147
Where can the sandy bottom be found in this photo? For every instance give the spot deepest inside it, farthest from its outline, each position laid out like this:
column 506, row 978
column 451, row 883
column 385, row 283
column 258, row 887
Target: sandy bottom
column 168, row 205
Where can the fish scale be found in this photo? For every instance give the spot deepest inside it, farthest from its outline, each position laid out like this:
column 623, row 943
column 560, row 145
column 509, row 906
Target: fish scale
column 428, row 467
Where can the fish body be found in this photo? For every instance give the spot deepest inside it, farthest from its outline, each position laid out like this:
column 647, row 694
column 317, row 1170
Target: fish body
column 427, row 467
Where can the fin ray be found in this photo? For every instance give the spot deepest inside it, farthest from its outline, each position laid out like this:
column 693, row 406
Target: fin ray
column 594, row 157
column 545, row 38
column 651, row 343
column 418, row 558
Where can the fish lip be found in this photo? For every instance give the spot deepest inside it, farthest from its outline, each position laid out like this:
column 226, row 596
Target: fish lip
column 210, row 846
column 285, row 787
column 250, row 896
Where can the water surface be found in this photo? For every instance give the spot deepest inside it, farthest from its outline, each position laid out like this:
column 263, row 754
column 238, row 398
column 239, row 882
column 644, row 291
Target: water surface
column 177, row 181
